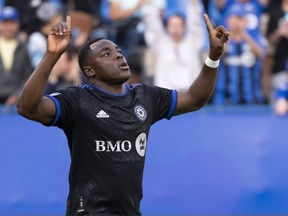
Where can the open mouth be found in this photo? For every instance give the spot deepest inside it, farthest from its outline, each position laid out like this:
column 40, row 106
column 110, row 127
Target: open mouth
column 124, row 66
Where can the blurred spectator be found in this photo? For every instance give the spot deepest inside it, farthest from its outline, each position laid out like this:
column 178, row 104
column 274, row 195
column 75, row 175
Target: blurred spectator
column 277, row 34
column 177, row 44
column 15, row 67
column 86, row 20
column 176, row 5
column 206, row 4
column 240, row 69
column 26, row 10
column 254, row 9
column 126, row 21
column 91, row 7
column 272, row 5
column 281, row 100
column 47, row 15
column 135, row 57
column 66, row 72
column 27, row 14
column 182, row 4
column 33, row 12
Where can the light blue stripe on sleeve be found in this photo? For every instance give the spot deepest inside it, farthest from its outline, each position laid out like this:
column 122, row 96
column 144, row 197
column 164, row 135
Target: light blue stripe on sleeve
column 173, row 104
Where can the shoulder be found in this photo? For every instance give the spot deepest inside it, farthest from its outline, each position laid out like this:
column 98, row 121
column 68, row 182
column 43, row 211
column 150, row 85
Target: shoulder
column 140, row 87
column 72, row 91
column 148, row 90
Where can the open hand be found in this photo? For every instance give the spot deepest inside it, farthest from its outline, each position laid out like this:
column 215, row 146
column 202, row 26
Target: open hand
column 218, row 37
column 59, row 37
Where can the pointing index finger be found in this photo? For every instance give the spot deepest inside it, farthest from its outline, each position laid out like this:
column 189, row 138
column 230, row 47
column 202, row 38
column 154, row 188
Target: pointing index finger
column 208, row 23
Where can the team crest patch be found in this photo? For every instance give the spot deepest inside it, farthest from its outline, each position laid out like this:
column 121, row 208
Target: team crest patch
column 140, row 112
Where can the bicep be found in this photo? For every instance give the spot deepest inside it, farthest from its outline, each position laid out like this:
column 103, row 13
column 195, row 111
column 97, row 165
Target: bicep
column 46, row 112
column 185, row 103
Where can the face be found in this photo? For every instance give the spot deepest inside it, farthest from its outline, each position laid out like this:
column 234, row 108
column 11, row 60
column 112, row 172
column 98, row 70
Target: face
column 237, row 23
column 106, row 63
column 9, row 29
column 176, row 27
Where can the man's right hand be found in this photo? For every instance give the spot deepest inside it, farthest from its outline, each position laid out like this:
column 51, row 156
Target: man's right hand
column 218, row 38
column 59, row 37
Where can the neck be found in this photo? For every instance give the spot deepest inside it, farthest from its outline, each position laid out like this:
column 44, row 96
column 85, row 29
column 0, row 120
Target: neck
column 112, row 89
column 236, row 37
column 177, row 40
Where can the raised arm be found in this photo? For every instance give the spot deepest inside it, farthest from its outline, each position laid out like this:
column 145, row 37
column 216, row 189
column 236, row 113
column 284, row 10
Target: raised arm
column 32, row 103
column 117, row 13
column 202, row 88
column 154, row 29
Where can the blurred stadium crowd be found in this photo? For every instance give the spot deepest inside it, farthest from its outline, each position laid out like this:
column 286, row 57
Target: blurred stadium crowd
column 164, row 41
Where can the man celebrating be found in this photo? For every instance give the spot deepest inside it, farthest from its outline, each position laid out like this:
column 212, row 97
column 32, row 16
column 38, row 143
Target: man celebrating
column 107, row 122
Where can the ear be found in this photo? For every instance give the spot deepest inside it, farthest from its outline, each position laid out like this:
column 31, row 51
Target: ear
column 89, row 71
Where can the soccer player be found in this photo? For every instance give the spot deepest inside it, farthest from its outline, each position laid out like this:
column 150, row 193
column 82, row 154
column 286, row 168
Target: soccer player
column 107, row 122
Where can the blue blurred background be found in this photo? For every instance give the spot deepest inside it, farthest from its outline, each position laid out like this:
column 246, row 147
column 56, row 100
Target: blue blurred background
column 216, row 161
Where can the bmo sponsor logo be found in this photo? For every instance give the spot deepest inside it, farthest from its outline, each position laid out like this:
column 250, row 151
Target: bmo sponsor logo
column 122, row 146
column 108, row 146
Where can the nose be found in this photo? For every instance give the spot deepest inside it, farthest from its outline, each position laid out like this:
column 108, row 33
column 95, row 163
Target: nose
column 118, row 56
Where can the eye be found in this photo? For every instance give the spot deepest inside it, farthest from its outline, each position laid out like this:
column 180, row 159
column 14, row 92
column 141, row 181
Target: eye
column 105, row 54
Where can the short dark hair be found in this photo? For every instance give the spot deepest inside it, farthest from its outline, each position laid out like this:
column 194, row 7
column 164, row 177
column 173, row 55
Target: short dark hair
column 84, row 51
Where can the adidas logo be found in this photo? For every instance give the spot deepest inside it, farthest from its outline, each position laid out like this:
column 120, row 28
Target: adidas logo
column 102, row 114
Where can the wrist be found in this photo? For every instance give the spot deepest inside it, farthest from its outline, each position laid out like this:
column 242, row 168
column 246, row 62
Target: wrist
column 212, row 63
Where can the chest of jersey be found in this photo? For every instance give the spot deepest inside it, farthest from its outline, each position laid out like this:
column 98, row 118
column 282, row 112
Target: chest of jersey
column 115, row 129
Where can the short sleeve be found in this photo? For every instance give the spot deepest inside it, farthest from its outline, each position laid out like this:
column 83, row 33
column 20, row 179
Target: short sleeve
column 66, row 103
column 163, row 102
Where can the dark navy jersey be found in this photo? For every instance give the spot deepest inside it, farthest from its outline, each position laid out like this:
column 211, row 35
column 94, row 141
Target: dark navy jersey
column 107, row 136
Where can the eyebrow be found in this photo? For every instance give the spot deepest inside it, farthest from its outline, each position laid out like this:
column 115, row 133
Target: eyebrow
column 104, row 49
column 108, row 49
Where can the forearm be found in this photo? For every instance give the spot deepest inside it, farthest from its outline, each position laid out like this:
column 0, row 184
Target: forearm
column 199, row 92
column 154, row 29
column 202, row 88
column 33, row 91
